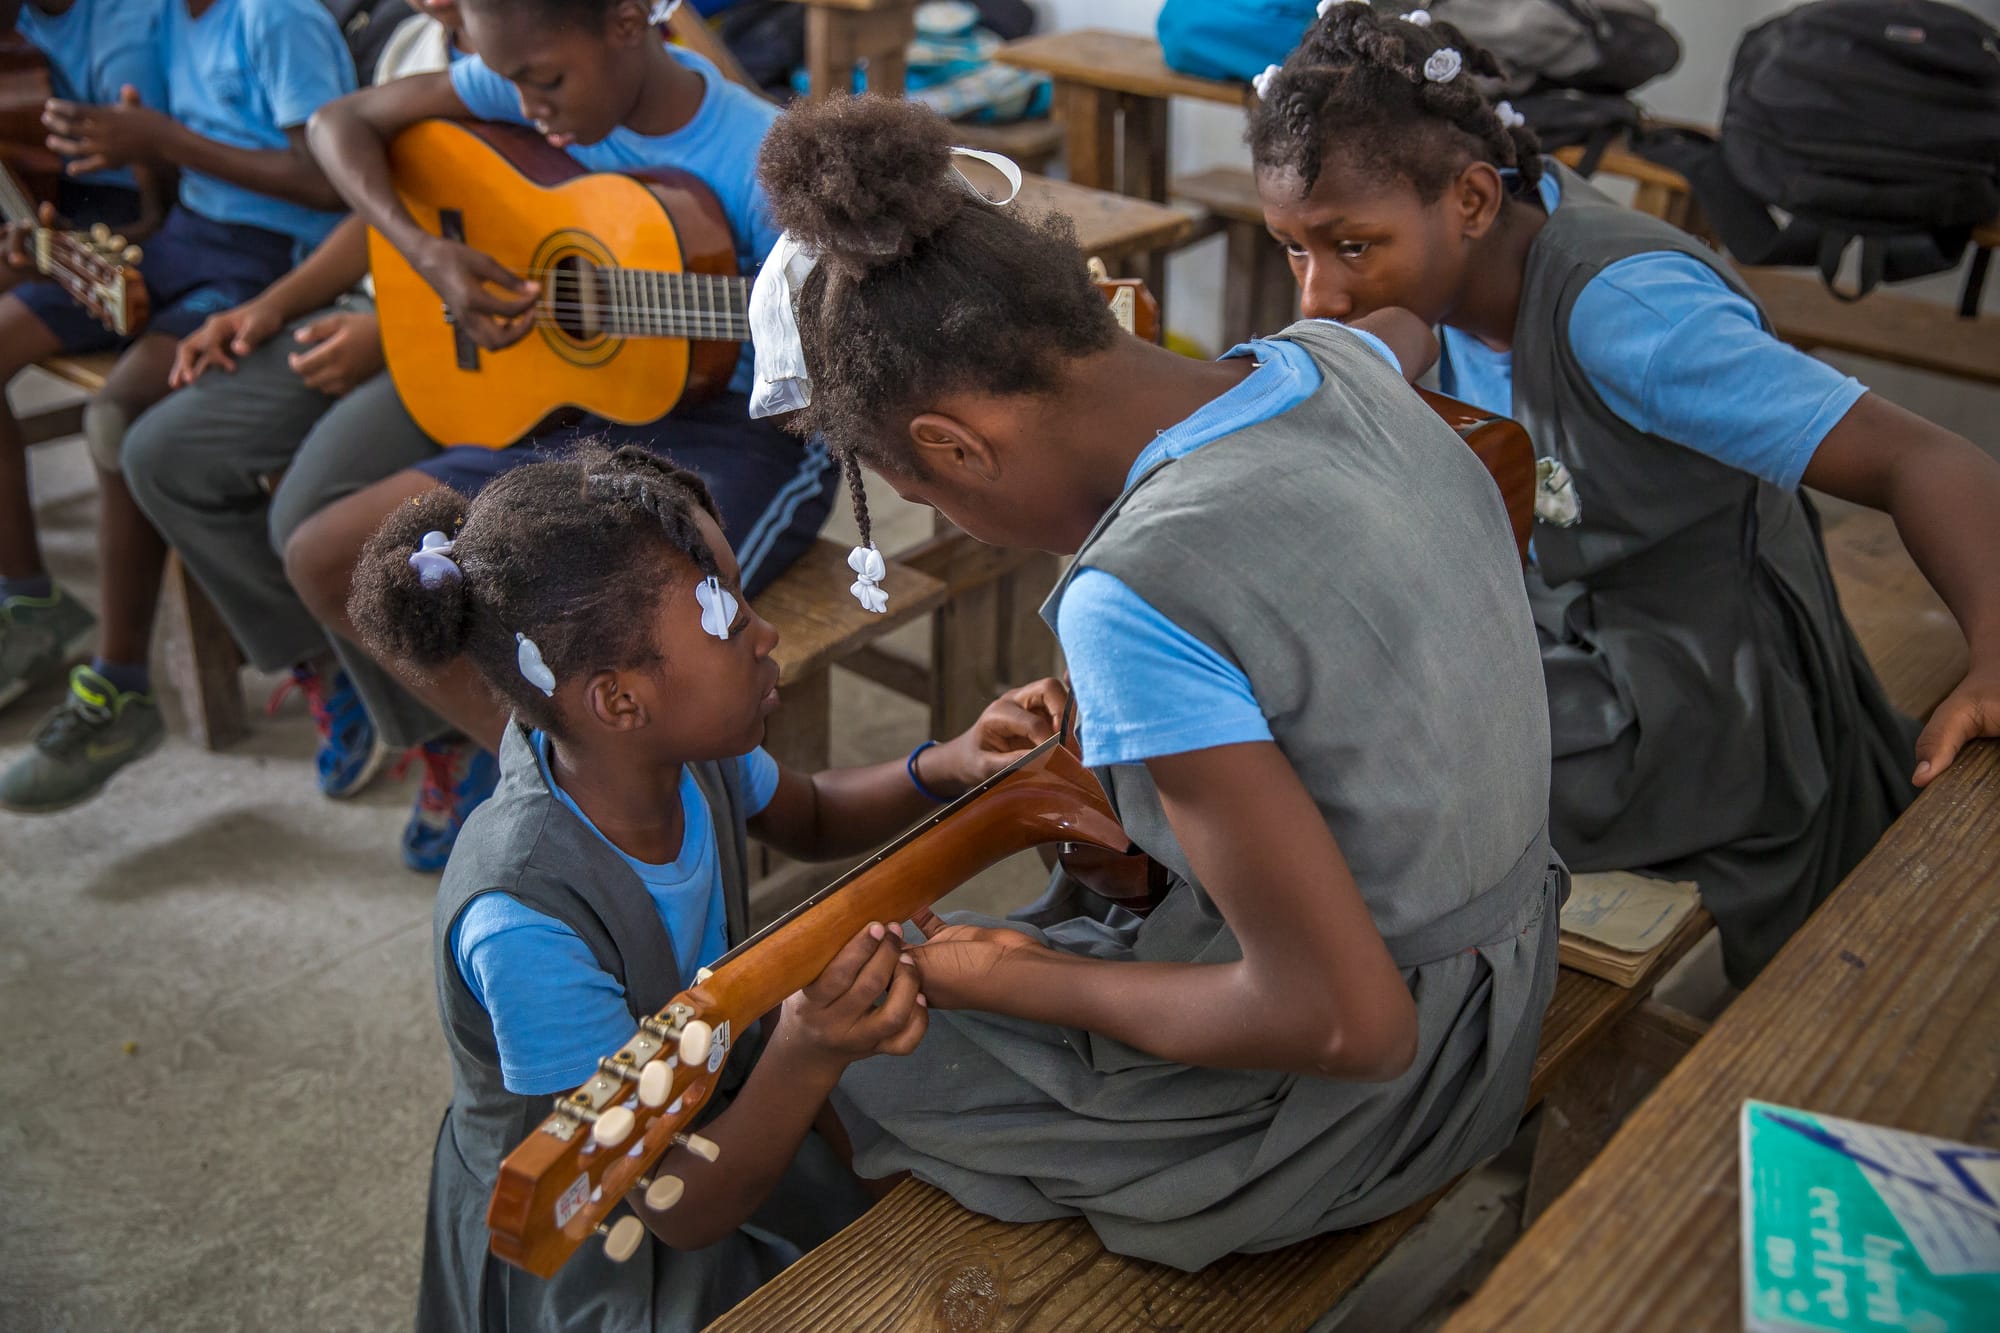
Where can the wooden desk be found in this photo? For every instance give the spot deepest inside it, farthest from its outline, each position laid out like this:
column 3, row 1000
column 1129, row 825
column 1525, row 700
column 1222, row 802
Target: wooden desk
column 841, row 34
column 1884, row 1008
column 1111, row 93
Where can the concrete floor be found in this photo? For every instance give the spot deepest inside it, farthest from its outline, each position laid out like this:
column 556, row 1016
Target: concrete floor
column 222, row 1072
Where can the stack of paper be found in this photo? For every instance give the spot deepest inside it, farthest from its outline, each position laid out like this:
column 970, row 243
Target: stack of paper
column 1614, row 922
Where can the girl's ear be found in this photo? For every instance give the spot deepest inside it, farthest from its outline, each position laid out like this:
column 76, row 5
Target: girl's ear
column 611, row 703
column 949, row 449
column 628, row 21
column 1477, row 195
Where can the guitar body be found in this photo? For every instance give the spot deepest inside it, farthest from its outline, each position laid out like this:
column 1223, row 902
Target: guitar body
column 1506, row 451
column 504, row 191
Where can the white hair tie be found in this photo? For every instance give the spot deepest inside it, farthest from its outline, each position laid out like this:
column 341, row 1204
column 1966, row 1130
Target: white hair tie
column 1418, row 17
column 529, row 659
column 1325, row 5
column 1262, row 83
column 661, row 11
column 1510, row 119
column 718, row 606
column 869, row 569
column 782, row 384
column 1444, row 65
column 433, row 563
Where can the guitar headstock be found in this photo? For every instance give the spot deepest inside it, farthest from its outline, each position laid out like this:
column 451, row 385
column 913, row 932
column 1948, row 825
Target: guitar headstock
column 604, row 1140
column 99, row 270
column 1132, row 302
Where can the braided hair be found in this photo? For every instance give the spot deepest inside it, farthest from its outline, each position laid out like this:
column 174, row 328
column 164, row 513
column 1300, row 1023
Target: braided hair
column 566, row 552
column 1356, row 91
column 922, row 289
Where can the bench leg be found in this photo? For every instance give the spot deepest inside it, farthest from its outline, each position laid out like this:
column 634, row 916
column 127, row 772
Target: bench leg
column 1590, row 1101
column 1090, row 121
column 1027, row 647
column 203, row 662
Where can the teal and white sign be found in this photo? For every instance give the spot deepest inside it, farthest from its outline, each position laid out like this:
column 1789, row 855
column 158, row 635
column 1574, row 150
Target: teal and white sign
column 1851, row 1228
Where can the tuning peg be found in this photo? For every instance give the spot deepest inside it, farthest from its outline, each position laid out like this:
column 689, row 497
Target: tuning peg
column 115, row 244
column 621, row 1241
column 100, row 233
column 663, row 1193
column 613, row 1127
column 133, row 254
column 656, row 1081
column 694, row 1042
column 702, row 974
column 699, row 1146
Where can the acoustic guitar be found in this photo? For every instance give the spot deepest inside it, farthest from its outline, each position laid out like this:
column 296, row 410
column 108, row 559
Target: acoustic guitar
column 642, row 306
column 557, row 1188
column 1506, row 451
column 97, row 268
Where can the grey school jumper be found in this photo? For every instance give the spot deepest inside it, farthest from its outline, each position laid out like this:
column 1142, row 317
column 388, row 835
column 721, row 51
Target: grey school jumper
column 525, row 842
column 1351, row 557
column 1713, row 718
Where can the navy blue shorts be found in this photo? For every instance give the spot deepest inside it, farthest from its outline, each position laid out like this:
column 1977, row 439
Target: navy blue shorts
column 193, row 267
column 773, row 490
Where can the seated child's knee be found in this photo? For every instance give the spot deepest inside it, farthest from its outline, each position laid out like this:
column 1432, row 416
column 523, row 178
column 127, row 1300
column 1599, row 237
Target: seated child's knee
column 105, row 421
column 317, row 568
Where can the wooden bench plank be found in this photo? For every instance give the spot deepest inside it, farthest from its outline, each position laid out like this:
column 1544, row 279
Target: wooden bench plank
column 919, row 1261
column 1882, row 1008
column 1116, row 61
column 1888, row 326
column 1112, row 227
column 819, row 623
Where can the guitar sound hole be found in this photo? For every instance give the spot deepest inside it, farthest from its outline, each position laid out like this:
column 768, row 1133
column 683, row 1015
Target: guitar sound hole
column 577, row 299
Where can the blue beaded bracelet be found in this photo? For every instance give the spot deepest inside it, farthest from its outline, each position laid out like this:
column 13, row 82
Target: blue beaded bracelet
column 917, row 782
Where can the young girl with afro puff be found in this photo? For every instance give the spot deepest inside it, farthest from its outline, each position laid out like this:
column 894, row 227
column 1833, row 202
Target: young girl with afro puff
column 1305, row 672
column 596, row 598
column 1713, row 717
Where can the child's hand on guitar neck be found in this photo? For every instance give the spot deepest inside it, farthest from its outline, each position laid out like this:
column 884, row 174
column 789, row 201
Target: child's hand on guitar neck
column 959, row 966
column 15, row 236
column 836, row 1020
column 490, row 303
column 1012, row 725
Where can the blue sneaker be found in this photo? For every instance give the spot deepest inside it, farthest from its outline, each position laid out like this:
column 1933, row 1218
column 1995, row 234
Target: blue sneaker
column 458, row 775
column 350, row 753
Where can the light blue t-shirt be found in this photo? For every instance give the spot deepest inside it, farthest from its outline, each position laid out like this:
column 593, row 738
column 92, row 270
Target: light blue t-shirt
column 1675, row 352
column 719, row 147
column 554, row 1010
column 95, row 48
column 1144, row 686
column 242, row 74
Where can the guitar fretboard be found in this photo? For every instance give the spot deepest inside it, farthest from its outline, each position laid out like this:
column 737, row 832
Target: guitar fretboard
column 640, row 303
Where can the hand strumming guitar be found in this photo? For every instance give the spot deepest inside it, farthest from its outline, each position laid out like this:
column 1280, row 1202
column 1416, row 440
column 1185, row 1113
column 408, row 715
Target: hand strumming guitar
column 490, row 303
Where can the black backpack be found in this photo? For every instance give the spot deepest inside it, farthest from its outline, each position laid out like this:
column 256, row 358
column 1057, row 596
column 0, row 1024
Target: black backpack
column 366, row 26
column 1876, row 120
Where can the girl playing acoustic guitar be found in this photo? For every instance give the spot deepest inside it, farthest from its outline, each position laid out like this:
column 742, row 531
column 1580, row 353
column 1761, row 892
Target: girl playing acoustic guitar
column 595, row 78
column 597, row 600
column 1713, row 717
column 1305, row 672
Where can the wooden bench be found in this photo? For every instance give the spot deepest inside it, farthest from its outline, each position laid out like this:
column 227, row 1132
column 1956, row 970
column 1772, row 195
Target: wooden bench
column 201, row 658
column 1883, row 1008
column 1885, row 325
column 918, row 1260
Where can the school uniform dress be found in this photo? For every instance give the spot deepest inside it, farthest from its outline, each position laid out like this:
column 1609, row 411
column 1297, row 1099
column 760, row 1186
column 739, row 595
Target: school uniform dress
column 95, row 49
column 1713, row 717
column 1315, row 560
column 241, row 74
column 550, row 945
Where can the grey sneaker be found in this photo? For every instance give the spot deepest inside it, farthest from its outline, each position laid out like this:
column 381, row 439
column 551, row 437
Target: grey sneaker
column 95, row 732
column 38, row 635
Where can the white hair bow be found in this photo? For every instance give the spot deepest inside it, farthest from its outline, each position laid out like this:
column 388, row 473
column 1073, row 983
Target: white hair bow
column 1444, row 65
column 868, row 567
column 718, row 607
column 1262, row 83
column 433, row 563
column 782, row 384
column 1510, row 119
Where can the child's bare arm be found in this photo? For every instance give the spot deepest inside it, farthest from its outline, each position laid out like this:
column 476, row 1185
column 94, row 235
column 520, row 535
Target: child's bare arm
column 847, row 810
column 1315, row 991
column 1412, row 340
column 126, row 132
column 1944, row 494
column 822, row 1029
column 350, row 137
